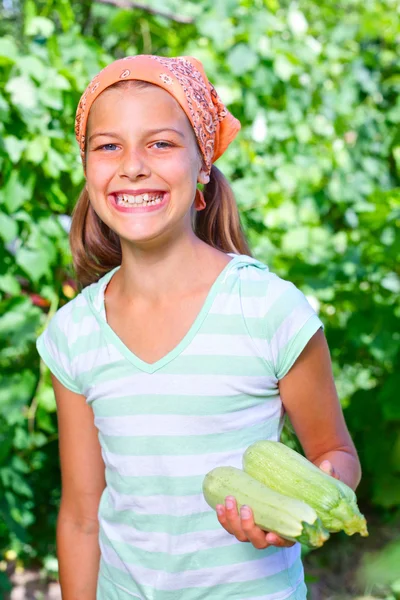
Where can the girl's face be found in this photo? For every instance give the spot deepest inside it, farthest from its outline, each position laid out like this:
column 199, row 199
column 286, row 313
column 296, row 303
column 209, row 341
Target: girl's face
column 142, row 164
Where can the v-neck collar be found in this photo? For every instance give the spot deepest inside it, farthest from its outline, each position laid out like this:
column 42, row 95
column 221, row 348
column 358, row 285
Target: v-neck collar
column 95, row 296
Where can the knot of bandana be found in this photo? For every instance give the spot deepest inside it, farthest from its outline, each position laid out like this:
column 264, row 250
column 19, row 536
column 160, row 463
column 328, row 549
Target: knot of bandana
column 182, row 77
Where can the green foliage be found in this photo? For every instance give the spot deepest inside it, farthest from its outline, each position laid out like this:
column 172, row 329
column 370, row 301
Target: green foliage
column 316, row 174
column 379, row 571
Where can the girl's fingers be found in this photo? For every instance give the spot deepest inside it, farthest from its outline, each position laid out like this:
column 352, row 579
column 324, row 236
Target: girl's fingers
column 243, row 527
column 328, row 468
column 254, row 534
column 229, row 518
column 275, row 540
column 233, row 519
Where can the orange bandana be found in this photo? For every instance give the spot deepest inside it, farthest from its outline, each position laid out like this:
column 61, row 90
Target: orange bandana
column 184, row 78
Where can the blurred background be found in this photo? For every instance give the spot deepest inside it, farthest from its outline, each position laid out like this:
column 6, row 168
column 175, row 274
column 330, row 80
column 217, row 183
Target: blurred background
column 316, row 172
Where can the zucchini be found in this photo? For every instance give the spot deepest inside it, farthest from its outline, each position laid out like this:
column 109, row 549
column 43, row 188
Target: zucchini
column 288, row 472
column 291, row 519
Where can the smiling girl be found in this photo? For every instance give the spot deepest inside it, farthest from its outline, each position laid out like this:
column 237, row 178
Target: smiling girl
column 180, row 352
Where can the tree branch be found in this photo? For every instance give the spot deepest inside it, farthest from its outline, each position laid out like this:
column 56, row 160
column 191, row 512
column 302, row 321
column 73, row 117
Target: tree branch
column 152, row 11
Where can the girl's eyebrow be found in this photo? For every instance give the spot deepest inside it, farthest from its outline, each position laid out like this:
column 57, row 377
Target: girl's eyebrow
column 149, row 132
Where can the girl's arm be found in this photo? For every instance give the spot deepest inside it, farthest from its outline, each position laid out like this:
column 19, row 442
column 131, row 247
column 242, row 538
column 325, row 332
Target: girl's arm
column 83, row 481
column 309, row 396
column 310, row 399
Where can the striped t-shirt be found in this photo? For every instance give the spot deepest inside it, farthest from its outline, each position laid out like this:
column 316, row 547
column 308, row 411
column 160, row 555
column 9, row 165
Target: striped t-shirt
column 163, row 426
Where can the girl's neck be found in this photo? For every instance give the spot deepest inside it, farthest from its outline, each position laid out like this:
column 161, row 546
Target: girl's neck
column 154, row 273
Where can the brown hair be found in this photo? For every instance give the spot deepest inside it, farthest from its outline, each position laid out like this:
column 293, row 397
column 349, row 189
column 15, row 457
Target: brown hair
column 96, row 249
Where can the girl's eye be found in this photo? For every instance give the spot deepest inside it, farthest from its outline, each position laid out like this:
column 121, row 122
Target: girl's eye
column 162, row 145
column 108, row 147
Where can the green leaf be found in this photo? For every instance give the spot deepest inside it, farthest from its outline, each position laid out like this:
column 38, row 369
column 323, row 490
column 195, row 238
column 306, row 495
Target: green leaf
column 15, row 391
column 284, row 68
column 19, row 323
column 23, row 92
column 54, row 163
column 9, row 284
column 50, row 97
column 242, row 59
column 36, row 149
column 66, row 14
column 46, row 398
column 8, row 228
column 295, row 240
column 33, row 67
column 39, row 26
column 35, row 263
column 4, row 109
column 391, row 282
column 14, row 147
column 8, row 50
column 16, row 193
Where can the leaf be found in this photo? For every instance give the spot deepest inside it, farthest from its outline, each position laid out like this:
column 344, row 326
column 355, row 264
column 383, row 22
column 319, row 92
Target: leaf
column 35, row 263
column 16, row 193
column 391, row 282
column 33, row 67
column 23, row 92
column 54, row 163
column 15, row 392
column 59, row 82
column 8, row 50
column 297, row 22
column 9, row 284
column 46, row 398
column 14, row 147
column 283, row 68
column 50, row 97
column 39, row 26
column 36, row 149
column 66, row 14
column 295, row 240
column 4, row 109
column 19, row 323
column 242, row 59
column 8, row 228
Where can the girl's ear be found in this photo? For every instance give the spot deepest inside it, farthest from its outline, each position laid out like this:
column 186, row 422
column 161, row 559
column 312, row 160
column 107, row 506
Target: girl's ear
column 203, row 177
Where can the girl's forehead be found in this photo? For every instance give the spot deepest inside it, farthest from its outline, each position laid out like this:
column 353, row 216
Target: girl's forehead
column 149, row 103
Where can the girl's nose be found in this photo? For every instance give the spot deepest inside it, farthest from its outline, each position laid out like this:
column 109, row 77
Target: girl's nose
column 134, row 166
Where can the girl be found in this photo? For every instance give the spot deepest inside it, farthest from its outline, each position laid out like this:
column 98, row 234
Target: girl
column 180, row 352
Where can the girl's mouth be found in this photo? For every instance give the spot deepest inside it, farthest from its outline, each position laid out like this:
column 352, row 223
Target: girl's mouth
column 139, row 202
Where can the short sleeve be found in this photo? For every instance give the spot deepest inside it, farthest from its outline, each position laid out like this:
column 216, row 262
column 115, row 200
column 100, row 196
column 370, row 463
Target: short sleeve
column 290, row 324
column 52, row 346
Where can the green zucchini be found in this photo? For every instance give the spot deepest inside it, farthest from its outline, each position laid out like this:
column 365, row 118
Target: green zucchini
column 289, row 473
column 291, row 519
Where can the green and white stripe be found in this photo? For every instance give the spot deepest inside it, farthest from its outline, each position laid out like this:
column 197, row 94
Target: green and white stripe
column 163, row 426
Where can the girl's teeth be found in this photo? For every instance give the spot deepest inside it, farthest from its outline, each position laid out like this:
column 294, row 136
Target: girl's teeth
column 142, row 200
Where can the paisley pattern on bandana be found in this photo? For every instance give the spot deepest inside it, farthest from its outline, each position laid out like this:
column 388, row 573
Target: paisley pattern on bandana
column 204, row 113
column 166, row 78
column 185, row 80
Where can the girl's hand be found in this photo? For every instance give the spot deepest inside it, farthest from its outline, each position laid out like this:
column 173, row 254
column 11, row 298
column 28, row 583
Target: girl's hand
column 243, row 527
column 327, row 467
